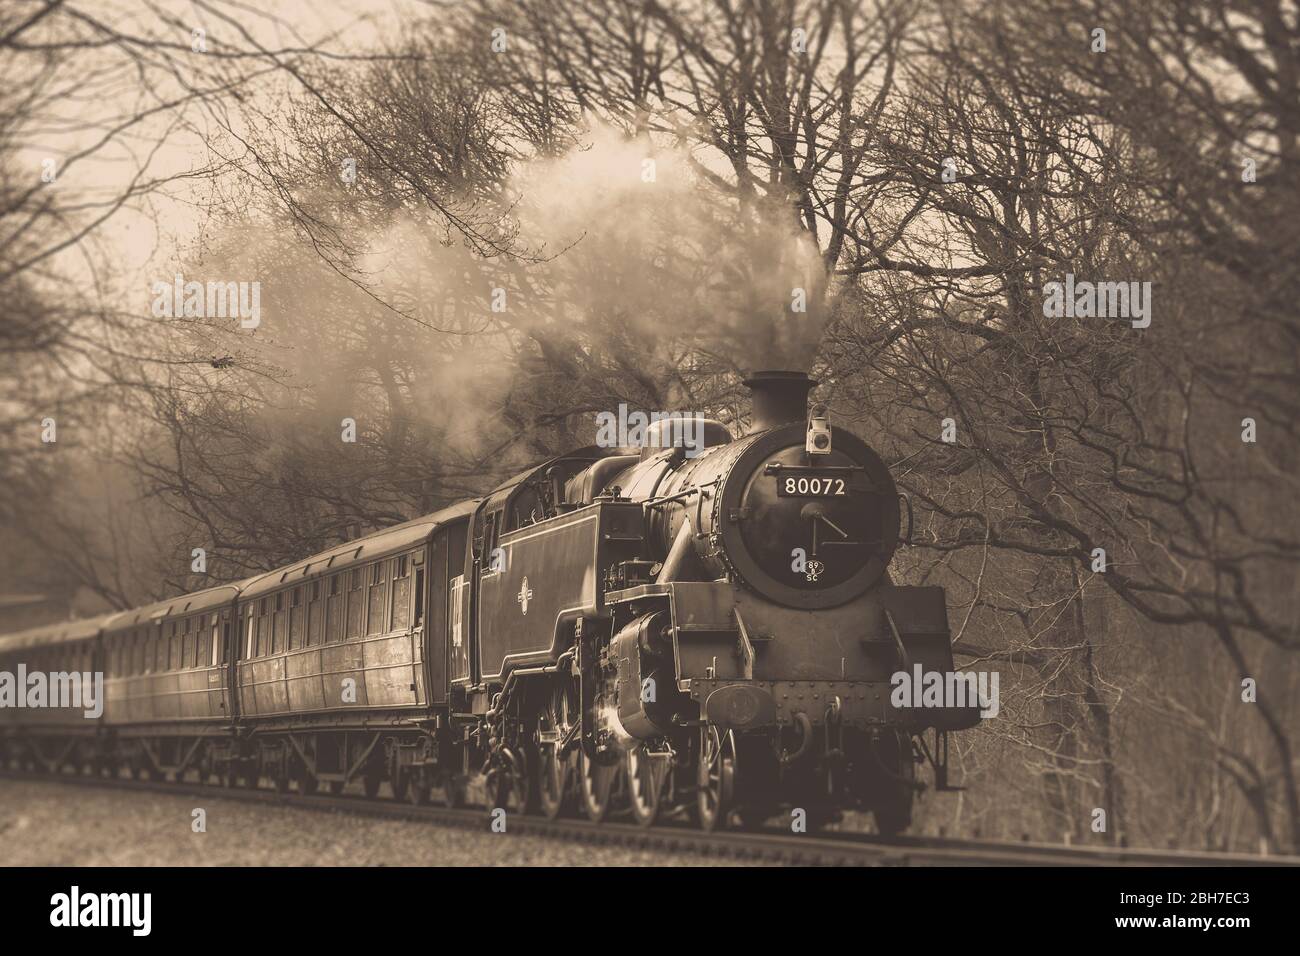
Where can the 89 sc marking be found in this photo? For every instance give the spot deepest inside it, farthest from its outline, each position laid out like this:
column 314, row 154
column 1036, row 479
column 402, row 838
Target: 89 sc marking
column 791, row 487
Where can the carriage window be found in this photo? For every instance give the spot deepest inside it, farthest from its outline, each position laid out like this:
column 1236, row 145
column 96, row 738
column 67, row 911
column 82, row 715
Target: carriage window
column 334, row 608
column 279, row 626
column 377, row 600
column 419, row 597
column 264, row 628
column 401, row 592
column 297, row 622
column 315, row 614
column 356, row 604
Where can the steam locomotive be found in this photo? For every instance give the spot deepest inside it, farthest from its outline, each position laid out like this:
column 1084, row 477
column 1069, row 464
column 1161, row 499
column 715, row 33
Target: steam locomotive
column 701, row 626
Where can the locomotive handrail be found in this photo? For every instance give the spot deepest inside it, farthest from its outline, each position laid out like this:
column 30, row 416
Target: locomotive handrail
column 906, row 539
column 669, row 499
column 905, row 659
column 773, row 467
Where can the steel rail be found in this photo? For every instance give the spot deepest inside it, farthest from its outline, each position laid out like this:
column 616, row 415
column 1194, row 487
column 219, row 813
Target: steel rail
column 840, row 848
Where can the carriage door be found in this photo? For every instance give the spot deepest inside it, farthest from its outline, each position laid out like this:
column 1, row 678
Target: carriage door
column 446, row 626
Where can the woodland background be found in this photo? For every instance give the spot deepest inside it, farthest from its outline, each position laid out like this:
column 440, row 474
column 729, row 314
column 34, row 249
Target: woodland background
column 794, row 144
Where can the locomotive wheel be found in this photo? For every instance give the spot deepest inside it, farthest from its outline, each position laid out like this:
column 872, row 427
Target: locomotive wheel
column 647, row 773
column 511, row 785
column 596, row 786
column 552, row 782
column 554, row 771
column 526, row 791
column 891, row 804
column 715, row 778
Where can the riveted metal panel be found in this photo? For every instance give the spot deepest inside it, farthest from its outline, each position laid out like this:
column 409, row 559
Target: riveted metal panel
column 552, row 574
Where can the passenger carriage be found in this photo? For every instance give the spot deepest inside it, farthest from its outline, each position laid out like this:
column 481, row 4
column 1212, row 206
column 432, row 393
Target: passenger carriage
column 48, row 738
column 168, row 679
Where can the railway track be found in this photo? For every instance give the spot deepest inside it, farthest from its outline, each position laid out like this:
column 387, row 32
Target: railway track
column 836, row 848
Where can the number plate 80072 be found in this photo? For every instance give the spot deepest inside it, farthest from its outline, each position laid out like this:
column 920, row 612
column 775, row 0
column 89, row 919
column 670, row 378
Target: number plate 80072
column 811, row 486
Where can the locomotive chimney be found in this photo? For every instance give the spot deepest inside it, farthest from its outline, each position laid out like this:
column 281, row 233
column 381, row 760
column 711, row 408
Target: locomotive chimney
column 779, row 398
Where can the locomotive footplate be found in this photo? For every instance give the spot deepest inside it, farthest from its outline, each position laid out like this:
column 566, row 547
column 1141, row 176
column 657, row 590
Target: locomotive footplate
column 747, row 705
